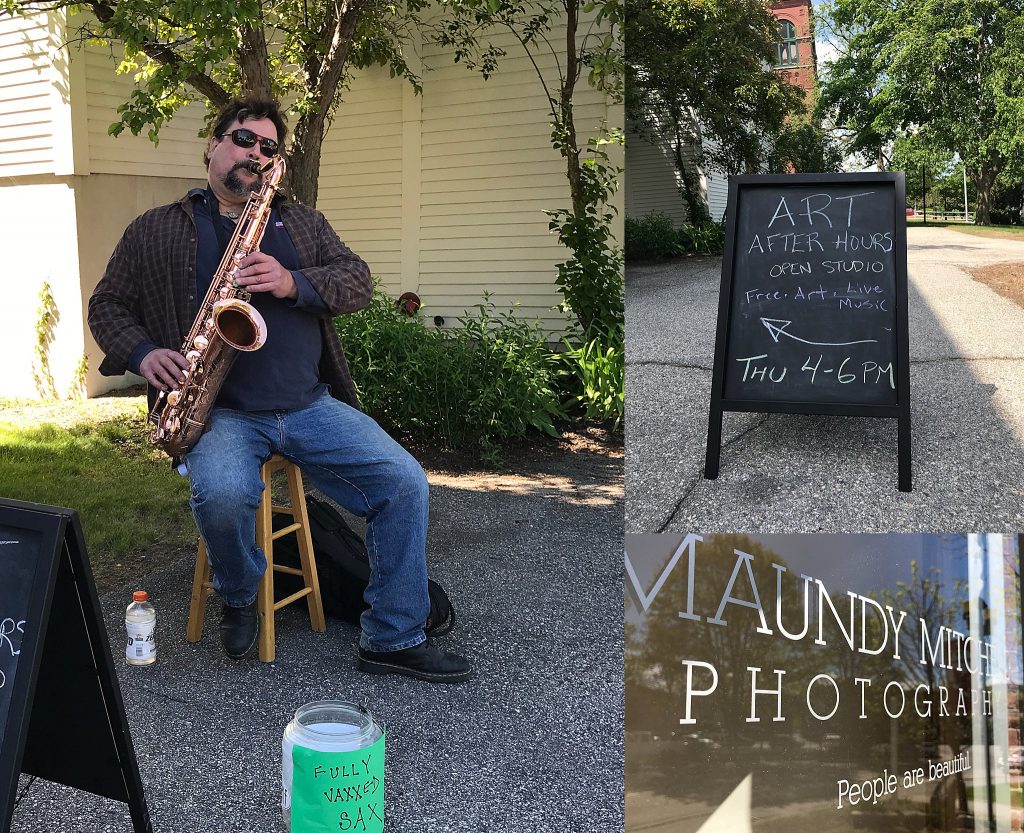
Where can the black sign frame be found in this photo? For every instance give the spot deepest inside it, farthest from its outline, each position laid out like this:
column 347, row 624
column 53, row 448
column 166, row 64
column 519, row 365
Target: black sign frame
column 900, row 410
column 110, row 767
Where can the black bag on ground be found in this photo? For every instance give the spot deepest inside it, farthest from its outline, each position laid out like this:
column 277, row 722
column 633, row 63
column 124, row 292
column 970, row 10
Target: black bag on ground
column 343, row 568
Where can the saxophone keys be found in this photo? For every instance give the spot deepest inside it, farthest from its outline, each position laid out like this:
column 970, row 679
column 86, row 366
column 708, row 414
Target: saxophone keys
column 173, row 397
column 193, row 356
column 201, row 343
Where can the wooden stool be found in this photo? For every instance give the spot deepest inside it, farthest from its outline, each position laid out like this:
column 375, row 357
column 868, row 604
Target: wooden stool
column 202, row 584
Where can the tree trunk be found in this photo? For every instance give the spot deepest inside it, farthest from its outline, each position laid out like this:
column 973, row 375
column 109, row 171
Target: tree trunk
column 568, row 125
column 253, row 60
column 304, row 161
column 984, row 180
column 324, row 76
column 696, row 207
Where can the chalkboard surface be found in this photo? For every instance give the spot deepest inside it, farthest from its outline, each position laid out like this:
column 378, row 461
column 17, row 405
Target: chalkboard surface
column 813, row 313
column 19, row 552
column 813, row 308
column 61, row 713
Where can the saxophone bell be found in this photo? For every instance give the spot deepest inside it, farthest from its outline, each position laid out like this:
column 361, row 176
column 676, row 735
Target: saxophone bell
column 239, row 324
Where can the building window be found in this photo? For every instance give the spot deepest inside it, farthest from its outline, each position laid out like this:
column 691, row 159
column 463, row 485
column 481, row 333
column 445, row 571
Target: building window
column 786, row 52
column 734, row 713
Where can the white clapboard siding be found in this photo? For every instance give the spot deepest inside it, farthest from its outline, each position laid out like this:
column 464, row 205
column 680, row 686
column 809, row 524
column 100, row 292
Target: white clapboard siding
column 179, row 151
column 652, row 182
column 488, row 174
column 716, row 185
column 444, row 193
column 360, row 189
column 27, row 51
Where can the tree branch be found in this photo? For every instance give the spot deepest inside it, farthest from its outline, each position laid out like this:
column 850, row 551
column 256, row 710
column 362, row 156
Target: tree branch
column 165, row 55
column 332, row 67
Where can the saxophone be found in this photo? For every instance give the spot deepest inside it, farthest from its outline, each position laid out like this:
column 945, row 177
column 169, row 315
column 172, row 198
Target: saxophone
column 226, row 323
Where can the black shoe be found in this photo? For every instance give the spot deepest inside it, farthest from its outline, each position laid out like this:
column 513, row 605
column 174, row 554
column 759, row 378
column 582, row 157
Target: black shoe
column 239, row 627
column 432, row 629
column 424, row 662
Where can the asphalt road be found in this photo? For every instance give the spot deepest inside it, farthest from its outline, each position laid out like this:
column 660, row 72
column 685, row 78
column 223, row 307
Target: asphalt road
column 533, row 563
column 786, row 473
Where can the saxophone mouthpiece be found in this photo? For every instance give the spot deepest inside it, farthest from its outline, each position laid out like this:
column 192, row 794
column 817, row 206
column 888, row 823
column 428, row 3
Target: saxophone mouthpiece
column 253, row 167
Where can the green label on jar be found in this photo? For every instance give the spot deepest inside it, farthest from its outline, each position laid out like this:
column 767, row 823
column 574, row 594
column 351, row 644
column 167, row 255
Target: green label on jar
column 334, row 791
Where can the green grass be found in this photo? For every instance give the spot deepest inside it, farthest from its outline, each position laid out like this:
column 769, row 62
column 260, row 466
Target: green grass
column 129, row 500
column 1000, row 232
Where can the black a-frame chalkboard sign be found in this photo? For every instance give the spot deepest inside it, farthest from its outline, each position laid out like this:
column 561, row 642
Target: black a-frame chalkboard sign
column 61, row 713
column 812, row 315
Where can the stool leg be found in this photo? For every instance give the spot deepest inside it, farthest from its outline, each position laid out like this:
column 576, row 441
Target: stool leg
column 265, row 594
column 197, row 607
column 297, row 496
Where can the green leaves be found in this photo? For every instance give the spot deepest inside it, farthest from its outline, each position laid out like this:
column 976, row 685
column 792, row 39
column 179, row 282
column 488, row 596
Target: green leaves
column 654, row 237
column 599, row 365
column 591, row 279
column 947, row 71
column 803, row 147
column 180, row 51
column 698, row 75
column 491, row 378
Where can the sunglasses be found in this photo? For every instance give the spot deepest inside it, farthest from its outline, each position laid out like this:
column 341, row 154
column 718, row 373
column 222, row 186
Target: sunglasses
column 246, row 139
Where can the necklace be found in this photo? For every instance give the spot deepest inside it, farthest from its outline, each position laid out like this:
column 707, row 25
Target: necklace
column 232, row 215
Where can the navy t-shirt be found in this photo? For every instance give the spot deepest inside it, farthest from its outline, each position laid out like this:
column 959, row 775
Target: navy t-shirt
column 283, row 374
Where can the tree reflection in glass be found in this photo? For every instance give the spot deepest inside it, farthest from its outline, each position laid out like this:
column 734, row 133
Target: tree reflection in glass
column 813, row 670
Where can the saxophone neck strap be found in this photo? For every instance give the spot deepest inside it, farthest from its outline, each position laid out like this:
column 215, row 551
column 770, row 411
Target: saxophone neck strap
column 218, row 223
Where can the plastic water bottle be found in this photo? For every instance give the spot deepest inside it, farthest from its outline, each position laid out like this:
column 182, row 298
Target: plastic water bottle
column 140, row 621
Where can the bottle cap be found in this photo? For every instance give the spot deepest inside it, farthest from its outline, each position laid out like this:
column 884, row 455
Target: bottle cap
column 140, row 596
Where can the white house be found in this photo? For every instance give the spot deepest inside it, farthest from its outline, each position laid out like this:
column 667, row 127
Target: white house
column 443, row 194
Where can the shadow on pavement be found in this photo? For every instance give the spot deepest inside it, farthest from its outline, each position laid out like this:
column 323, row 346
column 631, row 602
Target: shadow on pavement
column 785, row 473
column 533, row 566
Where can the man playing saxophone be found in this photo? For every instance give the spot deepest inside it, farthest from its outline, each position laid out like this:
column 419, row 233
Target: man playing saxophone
column 293, row 396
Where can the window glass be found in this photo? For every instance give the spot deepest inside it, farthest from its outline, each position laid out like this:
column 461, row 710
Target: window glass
column 798, row 683
column 786, row 53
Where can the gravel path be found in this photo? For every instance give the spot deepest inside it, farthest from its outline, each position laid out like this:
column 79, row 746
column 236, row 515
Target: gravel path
column 533, row 563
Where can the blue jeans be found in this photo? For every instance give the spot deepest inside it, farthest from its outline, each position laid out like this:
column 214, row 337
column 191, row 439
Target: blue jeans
column 349, row 458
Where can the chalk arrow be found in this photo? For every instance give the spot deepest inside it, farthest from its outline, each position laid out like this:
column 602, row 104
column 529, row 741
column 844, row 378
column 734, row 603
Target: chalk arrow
column 777, row 327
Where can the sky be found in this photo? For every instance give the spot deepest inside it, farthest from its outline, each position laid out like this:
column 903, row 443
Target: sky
column 824, row 50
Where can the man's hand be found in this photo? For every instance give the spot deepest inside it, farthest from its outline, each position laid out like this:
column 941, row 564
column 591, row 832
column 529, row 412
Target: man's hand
column 259, row 272
column 162, row 368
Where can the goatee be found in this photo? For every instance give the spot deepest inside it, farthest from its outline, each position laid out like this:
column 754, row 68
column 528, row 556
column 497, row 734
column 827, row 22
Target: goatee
column 233, row 182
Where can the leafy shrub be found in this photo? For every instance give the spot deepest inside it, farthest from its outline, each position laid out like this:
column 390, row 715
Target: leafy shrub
column 597, row 367
column 490, row 379
column 655, row 238
column 591, row 281
column 651, row 238
column 703, row 238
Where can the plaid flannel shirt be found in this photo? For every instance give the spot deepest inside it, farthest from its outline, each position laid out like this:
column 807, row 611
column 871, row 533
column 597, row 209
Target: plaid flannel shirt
column 148, row 291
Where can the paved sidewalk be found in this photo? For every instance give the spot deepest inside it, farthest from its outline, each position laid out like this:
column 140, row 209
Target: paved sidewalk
column 533, row 563
column 786, row 473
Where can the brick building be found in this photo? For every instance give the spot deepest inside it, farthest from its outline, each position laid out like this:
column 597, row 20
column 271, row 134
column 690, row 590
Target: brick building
column 795, row 57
